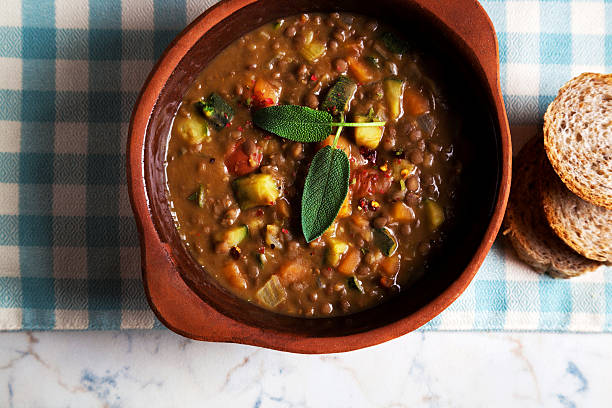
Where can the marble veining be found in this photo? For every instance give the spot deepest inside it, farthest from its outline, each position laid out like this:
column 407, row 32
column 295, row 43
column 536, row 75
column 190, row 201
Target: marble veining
column 422, row 369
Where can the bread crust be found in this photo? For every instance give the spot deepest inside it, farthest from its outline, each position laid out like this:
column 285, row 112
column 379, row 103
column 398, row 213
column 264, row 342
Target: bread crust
column 579, row 151
column 585, row 227
column 525, row 223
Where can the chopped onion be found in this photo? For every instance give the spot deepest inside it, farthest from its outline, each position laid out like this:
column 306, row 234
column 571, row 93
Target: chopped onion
column 272, row 293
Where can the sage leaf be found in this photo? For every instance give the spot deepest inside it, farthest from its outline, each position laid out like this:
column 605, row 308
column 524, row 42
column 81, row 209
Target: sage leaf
column 325, row 190
column 294, row 122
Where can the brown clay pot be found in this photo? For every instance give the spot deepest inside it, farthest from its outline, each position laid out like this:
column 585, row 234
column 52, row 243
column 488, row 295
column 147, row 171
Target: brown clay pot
column 191, row 303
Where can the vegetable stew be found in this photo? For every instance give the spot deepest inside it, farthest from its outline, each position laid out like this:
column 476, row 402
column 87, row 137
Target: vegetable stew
column 312, row 167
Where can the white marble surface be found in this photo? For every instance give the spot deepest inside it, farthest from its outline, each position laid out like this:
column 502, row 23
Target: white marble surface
column 433, row 369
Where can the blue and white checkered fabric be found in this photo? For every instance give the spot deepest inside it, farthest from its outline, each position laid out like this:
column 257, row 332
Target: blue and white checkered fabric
column 70, row 71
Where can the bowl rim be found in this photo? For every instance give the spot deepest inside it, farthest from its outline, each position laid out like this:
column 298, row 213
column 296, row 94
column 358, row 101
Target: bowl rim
column 154, row 253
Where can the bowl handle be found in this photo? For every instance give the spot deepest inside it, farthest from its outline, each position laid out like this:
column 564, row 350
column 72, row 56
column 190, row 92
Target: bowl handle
column 471, row 23
column 173, row 302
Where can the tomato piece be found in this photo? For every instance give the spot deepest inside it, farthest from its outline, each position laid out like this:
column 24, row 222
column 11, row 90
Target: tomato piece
column 360, row 71
column 415, row 103
column 370, row 181
column 265, row 94
column 239, row 163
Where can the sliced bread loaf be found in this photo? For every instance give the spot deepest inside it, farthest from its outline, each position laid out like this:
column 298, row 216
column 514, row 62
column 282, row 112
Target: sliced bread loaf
column 578, row 137
column 585, row 227
column 526, row 226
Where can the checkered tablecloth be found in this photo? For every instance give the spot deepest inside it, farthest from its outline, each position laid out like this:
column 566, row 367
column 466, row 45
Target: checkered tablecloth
column 70, row 71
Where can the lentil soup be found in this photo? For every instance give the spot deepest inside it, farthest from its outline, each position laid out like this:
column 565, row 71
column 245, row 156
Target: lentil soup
column 235, row 190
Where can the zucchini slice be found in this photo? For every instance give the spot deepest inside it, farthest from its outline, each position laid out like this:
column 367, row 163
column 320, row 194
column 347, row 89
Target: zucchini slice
column 216, row 110
column 370, row 136
column 233, row 236
column 335, row 250
column 385, row 241
column 272, row 236
column 394, row 89
column 340, row 95
column 193, row 130
column 313, row 51
column 256, row 190
column 435, row 213
column 355, row 283
column 199, row 196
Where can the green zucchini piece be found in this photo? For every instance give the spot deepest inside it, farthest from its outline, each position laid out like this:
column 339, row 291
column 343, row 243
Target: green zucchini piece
column 394, row 89
column 313, row 50
column 394, row 44
column 335, row 250
column 356, row 284
column 385, row 241
column 261, row 259
column 368, row 136
column 435, row 213
column 216, row 110
column 255, row 224
column 193, row 130
column 340, row 95
column 273, row 236
column 256, row 190
column 199, row 196
column 233, row 236
column 272, row 293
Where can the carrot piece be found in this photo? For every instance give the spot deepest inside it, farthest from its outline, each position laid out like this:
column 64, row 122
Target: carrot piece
column 349, row 262
column 265, row 94
column 415, row 103
column 346, row 209
column 342, row 144
column 400, row 212
column 360, row 71
column 386, row 282
column 360, row 221
column 293, row 271
column 363, row 226
column 232, row 273
column 353, row 48
column 390, row 266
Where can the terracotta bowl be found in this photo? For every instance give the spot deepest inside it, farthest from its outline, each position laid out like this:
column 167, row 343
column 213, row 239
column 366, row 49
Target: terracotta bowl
column 191, row 303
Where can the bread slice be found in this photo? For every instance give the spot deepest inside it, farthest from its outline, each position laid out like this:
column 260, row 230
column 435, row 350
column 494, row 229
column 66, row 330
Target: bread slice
column 585, row 227
column 578, row 137
column 526, row 226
